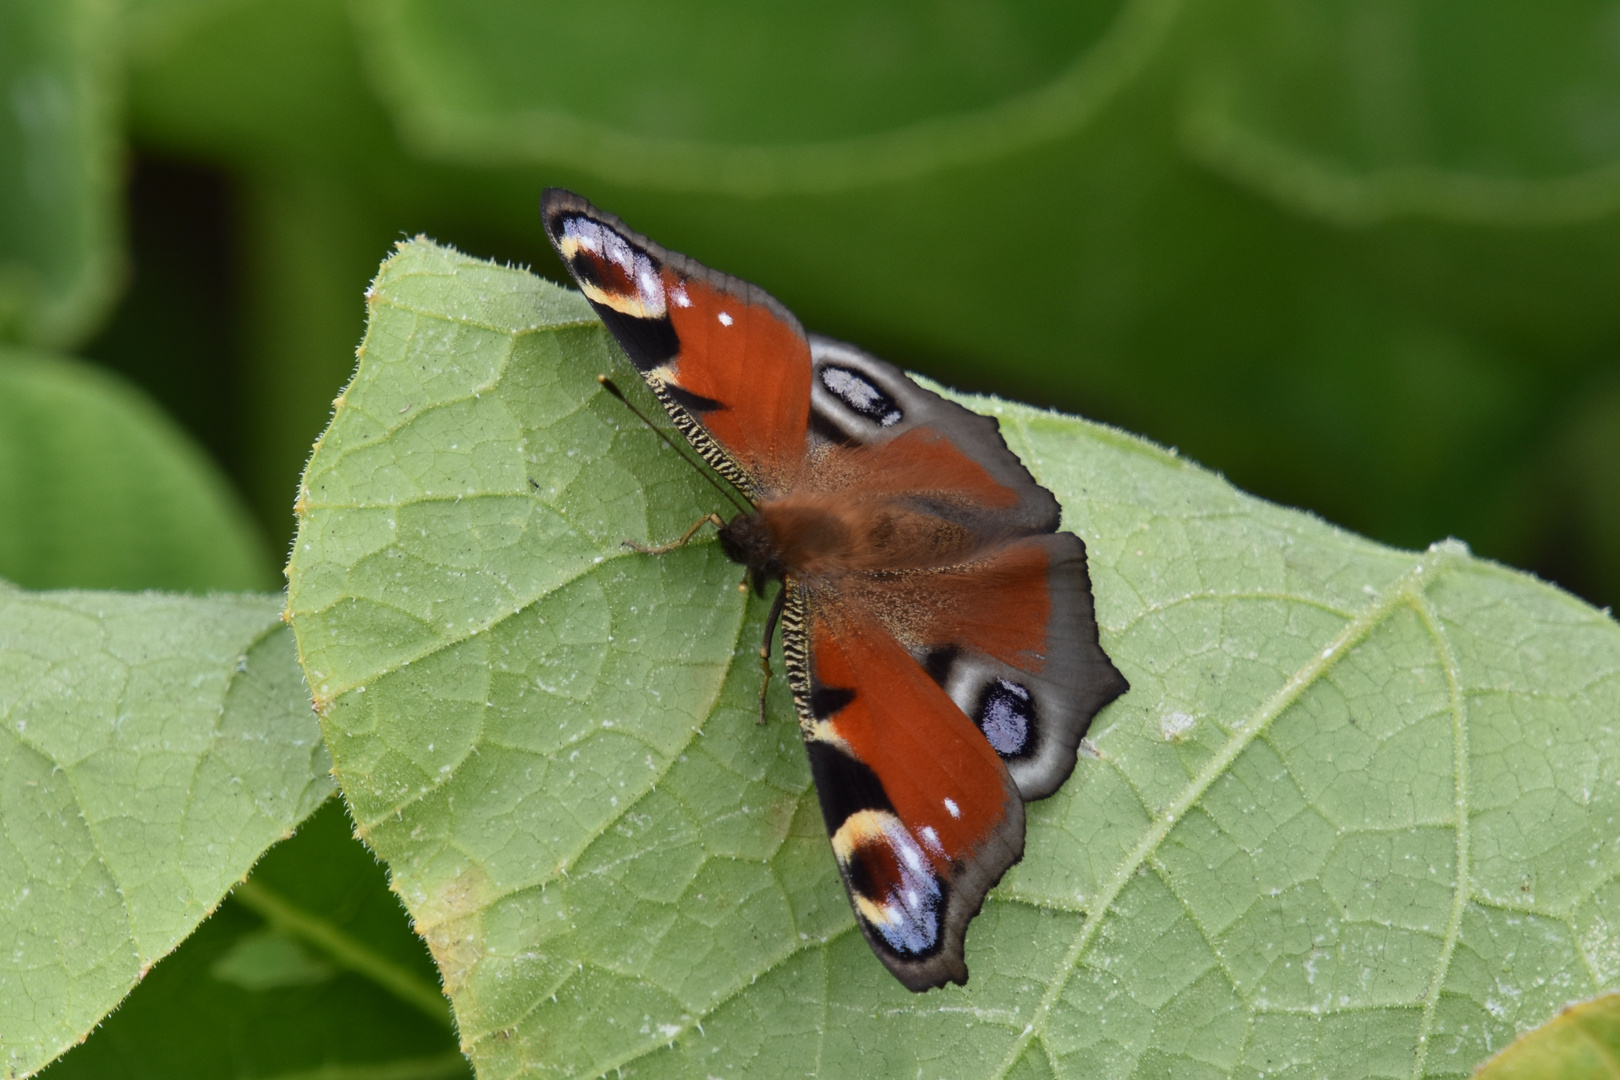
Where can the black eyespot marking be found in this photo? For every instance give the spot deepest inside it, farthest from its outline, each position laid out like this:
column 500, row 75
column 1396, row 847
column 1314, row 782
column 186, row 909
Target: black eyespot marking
column 857, row 391
column 861, row 877
column 938, row 662
column 828, row 431
column 1007, row 717
column 650, row 343
column 825, row 701
column 844, row 785
column 696, row 404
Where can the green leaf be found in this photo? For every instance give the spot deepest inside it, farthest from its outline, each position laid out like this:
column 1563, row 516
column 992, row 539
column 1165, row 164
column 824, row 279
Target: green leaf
column 1443, row 357
column 152, row 747
column 1357, row 112
column 753, row 99
column 1581, row 1043
column 59, row 169
column 98, row 489
column 249, row 997
column 1355, row 816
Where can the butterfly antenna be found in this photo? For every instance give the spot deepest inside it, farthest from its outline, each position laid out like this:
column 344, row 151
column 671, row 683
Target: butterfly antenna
column 612, row 388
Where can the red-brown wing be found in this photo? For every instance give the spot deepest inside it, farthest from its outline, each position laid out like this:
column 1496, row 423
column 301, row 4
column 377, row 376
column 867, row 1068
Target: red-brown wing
column 923, row 817
column 729, row 363
column 859, row 400
column 1011, row 638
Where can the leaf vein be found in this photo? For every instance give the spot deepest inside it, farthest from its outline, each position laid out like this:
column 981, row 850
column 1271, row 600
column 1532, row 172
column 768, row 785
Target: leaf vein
column 1400, row 594
column 1460, row 764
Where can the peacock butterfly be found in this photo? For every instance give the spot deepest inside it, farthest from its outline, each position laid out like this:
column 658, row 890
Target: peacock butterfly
column 937, row 630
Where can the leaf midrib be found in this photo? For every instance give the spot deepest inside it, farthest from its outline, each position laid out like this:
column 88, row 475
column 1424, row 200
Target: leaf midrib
column 1464, row 890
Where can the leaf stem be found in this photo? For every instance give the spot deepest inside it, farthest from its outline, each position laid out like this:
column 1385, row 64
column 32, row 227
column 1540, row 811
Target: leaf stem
column 348, row 953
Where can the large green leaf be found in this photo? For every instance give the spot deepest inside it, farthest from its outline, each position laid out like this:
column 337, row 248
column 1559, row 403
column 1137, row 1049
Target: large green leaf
column 747, row 98
column 1363, row 111
column 59, row 146
column 1165, row 284
column 152, row 747
column 1355, row 817
column 333, row 985
column 98, row 489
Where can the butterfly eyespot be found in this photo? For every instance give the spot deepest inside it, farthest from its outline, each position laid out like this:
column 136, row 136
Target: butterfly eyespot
column 611, row 271
column 858, row 393
column 891, row 881
column 1007, row 717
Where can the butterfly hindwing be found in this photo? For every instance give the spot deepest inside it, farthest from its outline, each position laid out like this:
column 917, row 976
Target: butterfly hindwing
column 1014, row 644
column 922, row 814
column 729, row 363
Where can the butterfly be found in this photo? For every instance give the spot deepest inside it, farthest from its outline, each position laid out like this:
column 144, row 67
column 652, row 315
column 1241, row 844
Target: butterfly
column 938, row 632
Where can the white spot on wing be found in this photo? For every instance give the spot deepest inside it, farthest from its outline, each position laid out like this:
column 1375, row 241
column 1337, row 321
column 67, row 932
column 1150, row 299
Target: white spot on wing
column 725, row 319
column 678, row 294
column 955, row 811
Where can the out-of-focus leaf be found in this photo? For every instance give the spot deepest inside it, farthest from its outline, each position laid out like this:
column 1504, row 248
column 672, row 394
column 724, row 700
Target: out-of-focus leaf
column 59, row 146
column 1581, row 1043
column 274, row 84
column 275, row 90
column 312, row 243
column 1496, row 112
column 1581, row 491
column 1403, row 377
column 152, row 748
column 152, row 26
column 99, row 490
column 242, row 999
column 738, row 97
column 1356, row 815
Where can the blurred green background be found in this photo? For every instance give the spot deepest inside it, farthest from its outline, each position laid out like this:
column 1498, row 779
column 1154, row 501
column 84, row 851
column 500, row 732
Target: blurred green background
column 1359, row 255
column 1363, row 256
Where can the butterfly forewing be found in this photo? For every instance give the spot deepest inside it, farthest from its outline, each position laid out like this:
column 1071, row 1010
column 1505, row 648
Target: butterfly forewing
column 730, row 364
column 923, row 816
column 939, row 635
column 857, row 398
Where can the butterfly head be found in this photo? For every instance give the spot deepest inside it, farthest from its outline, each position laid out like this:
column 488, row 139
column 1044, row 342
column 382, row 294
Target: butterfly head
column 748, row 540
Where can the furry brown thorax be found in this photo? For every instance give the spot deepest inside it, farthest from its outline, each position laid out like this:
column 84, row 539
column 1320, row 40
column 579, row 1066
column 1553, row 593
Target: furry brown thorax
column 813, row 538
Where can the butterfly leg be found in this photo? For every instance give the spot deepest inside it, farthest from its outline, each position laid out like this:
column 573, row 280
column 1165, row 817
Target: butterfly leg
column 662, row 549
column 765, row 649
